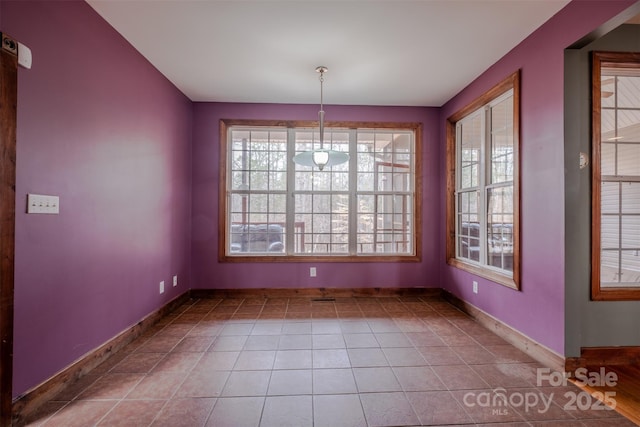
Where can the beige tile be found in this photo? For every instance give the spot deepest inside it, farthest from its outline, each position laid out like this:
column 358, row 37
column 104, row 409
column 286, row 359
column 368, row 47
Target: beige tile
column 361, row 340
column 236, row 412
column 178, row 362
column 293, row 359
column 459, row 377
column 111, row 386
column 247, row 383
column 255, row 360
column 367, row 357
column 194, row 344
column 343, row 410
column 81, row 413
column 159, row 344
column 138, row 363
column 328, row 341
column 295, row 342
column 217, row 361
column 296, row 328
column 420, row 378
column 388, row 409
column 287, row 411
column 333, row 381
column 290, row 382
column 438, row 408
column 333, row 358
column 440, row 356
column 157, row 385
column 262, row 342
column 375, row 380
column 393, row 339
column 229, row 343
column 129, row 413
column 403, row 356
column 203, row 384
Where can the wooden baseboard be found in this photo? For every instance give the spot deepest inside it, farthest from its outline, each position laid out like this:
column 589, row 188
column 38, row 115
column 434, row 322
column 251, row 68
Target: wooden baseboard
column 604, row 356
column 313, row 292
column 535, row 350
column 34, row 398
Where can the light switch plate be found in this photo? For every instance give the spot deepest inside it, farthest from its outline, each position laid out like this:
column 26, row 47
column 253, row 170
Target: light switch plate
column 42, row 204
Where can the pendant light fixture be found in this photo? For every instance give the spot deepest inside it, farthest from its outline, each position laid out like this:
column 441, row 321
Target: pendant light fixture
column 321, row 157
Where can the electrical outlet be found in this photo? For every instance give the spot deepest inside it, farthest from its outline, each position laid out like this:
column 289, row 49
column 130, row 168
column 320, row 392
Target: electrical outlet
column 312, row 272
column 162, row 287
column 475, row 287
column 175, row 280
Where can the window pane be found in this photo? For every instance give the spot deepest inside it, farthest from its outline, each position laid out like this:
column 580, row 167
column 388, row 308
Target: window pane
column 628, row 92
column 609, row 270
column 468, row 226
column 630, row 197
column 502, row 141
column 630, row 268
column 629, row 159
column 469, row 156
column 609, row 234
column 608, row 159
column 500, row 227
column 631, row 231
column 608, row 91
column 610, row 197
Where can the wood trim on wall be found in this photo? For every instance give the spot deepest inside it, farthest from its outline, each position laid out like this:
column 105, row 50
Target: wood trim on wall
column 511, row 82
column 223, row 198
column 30, row 401
column 8, row 116
column 599, row 60
column 535, row 350
column 314, row 292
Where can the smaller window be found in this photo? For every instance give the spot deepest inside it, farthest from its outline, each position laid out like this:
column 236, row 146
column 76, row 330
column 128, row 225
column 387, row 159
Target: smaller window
column 615, row 213
column 483, row 185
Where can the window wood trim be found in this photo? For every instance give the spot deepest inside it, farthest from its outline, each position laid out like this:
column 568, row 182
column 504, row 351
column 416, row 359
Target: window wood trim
column 609, row 60
column 511, row 82
column 224, row 126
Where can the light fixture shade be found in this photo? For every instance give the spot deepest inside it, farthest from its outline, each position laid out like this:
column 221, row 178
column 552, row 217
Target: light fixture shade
column 320, row 158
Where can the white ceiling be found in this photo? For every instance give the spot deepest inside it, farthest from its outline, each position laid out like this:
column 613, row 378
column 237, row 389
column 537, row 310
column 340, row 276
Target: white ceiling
column 379, row 52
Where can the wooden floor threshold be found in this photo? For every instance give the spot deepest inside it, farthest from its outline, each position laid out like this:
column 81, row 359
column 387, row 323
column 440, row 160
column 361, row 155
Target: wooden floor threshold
column 597, row 364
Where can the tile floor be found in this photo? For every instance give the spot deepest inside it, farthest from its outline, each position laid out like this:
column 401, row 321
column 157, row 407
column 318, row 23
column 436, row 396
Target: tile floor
column 298, row 362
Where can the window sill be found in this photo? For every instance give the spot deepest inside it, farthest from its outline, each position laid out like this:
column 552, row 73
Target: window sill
column 318, row 258
column 486, row 273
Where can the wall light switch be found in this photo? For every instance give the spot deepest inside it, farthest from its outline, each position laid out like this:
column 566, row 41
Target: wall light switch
column 38, row 203
column 162, row 287
column 175, row 280
column 312, row 272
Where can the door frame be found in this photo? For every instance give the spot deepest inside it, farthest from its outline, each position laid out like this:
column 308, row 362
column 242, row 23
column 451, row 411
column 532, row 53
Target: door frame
column 8, row 117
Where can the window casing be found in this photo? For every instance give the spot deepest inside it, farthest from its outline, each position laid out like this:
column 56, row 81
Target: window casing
column 483, row 185
column 615, row 213
column 276, row 210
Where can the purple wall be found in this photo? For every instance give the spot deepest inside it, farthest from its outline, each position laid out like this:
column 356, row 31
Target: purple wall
column 104, row 130
column 538, row 310
column 209, row 273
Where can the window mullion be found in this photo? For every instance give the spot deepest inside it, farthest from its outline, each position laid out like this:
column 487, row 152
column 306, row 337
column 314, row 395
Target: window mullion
column 353, row 196
column 484, row 178
column 291, row 182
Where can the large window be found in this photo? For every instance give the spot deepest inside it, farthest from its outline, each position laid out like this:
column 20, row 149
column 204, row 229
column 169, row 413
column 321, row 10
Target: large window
column 483, row 185
column 364, row 209
column 615, row 213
